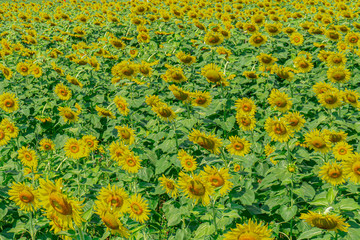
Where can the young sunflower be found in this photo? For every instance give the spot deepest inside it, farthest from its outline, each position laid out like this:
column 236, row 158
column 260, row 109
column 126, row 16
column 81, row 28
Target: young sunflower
column 187, row 161
column 318, row 141
column 24, row 196
column 273, row 28
column 164, row 112
column 332, row 173
column 219, row 178
column 196, row 187
column 138, row 208
column 169, row 186
column 245, row 106
column 121, row 105
column 246, row 122
column 238, row 146
column 68, row 114
column 329, row 222
column 212, row 73
column 145, row 68
column 338, row 74
column 249, row 231
column 257, row 39
column 323, row 55
column 23, row 68
column 201, row 99
column 103, row 112
column 179, row 93
column 117, row 151
column 126, row 134
column 130, row 163
column 8, row 102
column 295, row 121
column 331, row 99
column 65, row 208
column 111, row 219
column 113, row 197
column 209, row 142
column 278, row 129
column 46, row 145
column 28, row 157
column 76, row 149
column 342, row 151
column 125, row 69
column 279, row 100
column 351, row 167
column 91, row 142
column 36, row 71
column 6, row 71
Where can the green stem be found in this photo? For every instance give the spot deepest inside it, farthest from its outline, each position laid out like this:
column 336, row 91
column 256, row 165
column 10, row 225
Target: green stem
column 81, row 234
column 78, row 177
column 288, row 152
column 176, row 139
column 223, row 157
column 214, row 215
column 32, row 229
column 188, row 109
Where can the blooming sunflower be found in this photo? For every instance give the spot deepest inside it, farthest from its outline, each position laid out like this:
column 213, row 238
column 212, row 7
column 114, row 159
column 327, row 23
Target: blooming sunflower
column 332, row 173
column 303, row 64
column 65, row 208
column 249, row 231
column 117, row 151
column 179, row 93
column 28, row 157
column 246, row 122
column 266, row 59
column 36, row 71
column 352, row 39
column 335, row 136
column 213, row 38
column 245, row 106
column 278, row 129
column 68, row 114
column 295, row 121
column 185, row 58
column 201, row 99
column 219, row 178
column 164, row 112
column 74, row 81
column 130, row 162
column 8, row 102
column 323, row 55
column 91, row 142
column 145, row 68
column 115, row 198
column 351, row 167
column 4, row 136
column 238, row 146
column 125, row 69
column 212, row 73
column 174, row 74
column 196, row 187
column 24, row 196
column 322, row 87
column 209, row 142
column 62, row 91
column 152, row 100
column 257, row 39
column 273, row 28
column 76, row 148
column 279, row 100
column 23, row 68
column 250, row 75
column 296, row 39
column 336, row 60
column 338, row 74
column 169, row 186
column 318, row 141
column 46, row 144
column 111, row 219
column 351, row 97
column 329, row 222
column 331, row 99
column 342, row 151
column 121, row 105
column 6, row 71
column 138, row 208
column 187, row 161
column 127, row 134
column 103, row 112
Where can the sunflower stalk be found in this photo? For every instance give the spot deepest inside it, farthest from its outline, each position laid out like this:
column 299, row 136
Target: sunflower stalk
column 176, row 138
column 214, row 215
column 32, row 227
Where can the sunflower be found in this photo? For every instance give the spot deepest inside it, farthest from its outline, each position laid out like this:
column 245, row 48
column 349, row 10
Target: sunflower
column 302, row 64
column 329, row 222
column 76, row 148
column 332, row 173
column 335, row 136
column 331, row 99
column 318, row 141
column 8, row 102
column 351, row 167
column 279, row 100
column 246, row 122
column 28, row 157
column 258, row 19
column 351, row 97
column 164, row 112
column 74, row 81
column 209, row 142
column 145, row 68
column 297, row 39
column 24, row 196
column 336, row 60
column 352, row 39
column 250, row 75
column 342, row 46
column 213, row 38
column 46, row 144
column 179, row 93
column 62, row 91
column 117, row 151
column 322, row 87
column 65, row 208
column 130, row 163
column 278, row 129
column 56, row 226
column 121, row 105
column 219, row 178
column 111, row 219
column 333, row 35
column 338, row 74
column 169, row 186
column 117, row 43
column 257, row 39
column 196, row 187
column 4, row 136
column 282, row 72
column 126, row 134
column 138, row 208
column 249, row 231
column 68, row 114
column 23, row 68
column 323, row 55
column 91, row 142
column 174, row 74
column 6, row 71
column 342, row 151
column 212, row 73
column 295, row 121
column 125, row 69
column 245, row 106
column 36, row 71
column 187, row 161
column 114, row 198
column 238, row 146
column 152, row 100
column 103, row 112
column 187, row 59
column 237, row 167
column 57, row 69
column 266, row 59
column 201, row 99
column 273, row 28
column 224, row 51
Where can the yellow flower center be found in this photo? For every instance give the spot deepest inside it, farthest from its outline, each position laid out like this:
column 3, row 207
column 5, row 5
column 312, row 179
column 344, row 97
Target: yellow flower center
column 131, row 162
column 47, row 146
column 213, row 76
column 24, row 69
column 334, row 173
column 279, row 129
column 165, row 112
column 197, row 188
column 258, row 39
column 318, row 143
column 297, row 39
column 280, row 102
column 248, row 236
column 342, row 151
column 69, row 115
column 115, row 201
column 9, row 103
column 26, row 196
column 136, row 208
column 125, row 134
column 110, row 221
column 217, row 180
column 247, row 107
column 214, row 39
column 353, row 39
column 60, row 204
column 238, row 146
column 74, row 148
column 189, row 163
column 330, row 99
column 170, row 185
column 28, row 156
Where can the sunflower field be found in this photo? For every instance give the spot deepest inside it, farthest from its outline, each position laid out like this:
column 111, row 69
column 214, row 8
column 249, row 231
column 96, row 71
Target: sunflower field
column 188, row 119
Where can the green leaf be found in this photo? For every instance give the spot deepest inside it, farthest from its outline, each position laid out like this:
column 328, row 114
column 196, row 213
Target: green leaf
column 248, row 198
column 348, row 204
column 205, row 229
column 287, row 213
column 319, row 202
column 331, row 194
column 311, row 233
